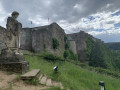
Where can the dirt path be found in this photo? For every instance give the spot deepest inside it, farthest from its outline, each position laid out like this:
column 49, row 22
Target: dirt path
column 10, row 82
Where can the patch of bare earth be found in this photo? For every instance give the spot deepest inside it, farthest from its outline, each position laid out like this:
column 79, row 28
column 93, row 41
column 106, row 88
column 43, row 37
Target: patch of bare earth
column 10, row 82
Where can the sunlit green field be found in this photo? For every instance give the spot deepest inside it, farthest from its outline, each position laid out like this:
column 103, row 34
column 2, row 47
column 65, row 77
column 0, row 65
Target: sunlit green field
column 72, row 76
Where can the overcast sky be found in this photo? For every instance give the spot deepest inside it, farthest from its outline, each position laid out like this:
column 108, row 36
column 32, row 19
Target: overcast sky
column 100, row 18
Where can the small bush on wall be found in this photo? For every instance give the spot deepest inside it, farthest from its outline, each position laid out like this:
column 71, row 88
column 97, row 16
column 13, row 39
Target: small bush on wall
column 55, row 43
column 68, row 54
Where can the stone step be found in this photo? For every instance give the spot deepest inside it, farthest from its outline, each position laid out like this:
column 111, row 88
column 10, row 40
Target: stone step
column 61, row 86
column 31, row 74
column 43, row 80
column 49, row 82
column 41, row 75
column 58, row 84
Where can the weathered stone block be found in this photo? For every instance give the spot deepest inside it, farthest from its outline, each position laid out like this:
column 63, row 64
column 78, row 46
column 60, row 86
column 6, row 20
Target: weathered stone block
column 17, row 67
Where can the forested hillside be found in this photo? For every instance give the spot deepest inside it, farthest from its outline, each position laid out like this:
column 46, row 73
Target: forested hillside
column 113, row 45
column 99, row 55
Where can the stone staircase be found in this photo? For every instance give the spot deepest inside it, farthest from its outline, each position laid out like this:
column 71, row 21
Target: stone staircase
column 43, row 79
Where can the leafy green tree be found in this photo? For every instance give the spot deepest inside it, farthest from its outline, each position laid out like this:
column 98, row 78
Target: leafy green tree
column 97, row 57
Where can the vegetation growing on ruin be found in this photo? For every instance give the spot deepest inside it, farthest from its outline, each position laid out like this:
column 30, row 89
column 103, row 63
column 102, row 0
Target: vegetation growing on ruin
column 55, row 43
column 52, row 57
column 65, row 39
column 67, row 45
column 68, row 54
column 44, row 46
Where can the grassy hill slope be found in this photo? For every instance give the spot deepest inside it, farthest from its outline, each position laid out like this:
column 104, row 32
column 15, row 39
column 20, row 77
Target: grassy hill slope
column 72, row 76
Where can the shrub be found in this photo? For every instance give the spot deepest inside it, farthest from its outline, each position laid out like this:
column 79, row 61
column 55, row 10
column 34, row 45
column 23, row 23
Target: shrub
column 34, row 81
column 65, row 39
column 67, row 46
column 108, row 72
column 55, row 43
column 73, row 56
column 66, row 53
column 70, row 55
column 52, row 57
column 44, row 46
column 32, row 50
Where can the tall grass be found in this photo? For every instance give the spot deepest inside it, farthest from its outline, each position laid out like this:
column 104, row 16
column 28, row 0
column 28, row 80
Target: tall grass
column 73, row 76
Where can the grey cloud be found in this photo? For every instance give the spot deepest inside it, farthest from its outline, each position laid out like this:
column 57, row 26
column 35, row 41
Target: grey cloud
column 111, row 22
column 64, row 9
column 58, row 10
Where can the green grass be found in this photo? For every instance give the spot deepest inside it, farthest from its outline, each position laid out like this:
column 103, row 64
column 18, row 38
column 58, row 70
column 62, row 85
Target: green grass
column 73, row 76
column 53, row 88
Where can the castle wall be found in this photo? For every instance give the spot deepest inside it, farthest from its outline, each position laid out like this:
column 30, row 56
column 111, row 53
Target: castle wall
column 41, row 40
column 73, row 46
column 80, row 39
column 3, row 38
column 58, row 33
column 26, row 39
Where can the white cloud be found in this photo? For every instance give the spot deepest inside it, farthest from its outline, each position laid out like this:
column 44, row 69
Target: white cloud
column 38, row 20
column 3, row 16
column 101, row 20
column 80, row 7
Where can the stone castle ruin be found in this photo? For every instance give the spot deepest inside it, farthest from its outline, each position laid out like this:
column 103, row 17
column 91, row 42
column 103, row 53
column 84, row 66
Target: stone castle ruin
column 38, row 39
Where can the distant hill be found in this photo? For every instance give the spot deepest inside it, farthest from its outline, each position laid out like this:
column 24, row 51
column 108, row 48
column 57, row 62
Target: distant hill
column 113, row 45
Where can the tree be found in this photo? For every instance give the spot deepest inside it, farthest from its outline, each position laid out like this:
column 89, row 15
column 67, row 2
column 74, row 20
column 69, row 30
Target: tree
column 97, row 57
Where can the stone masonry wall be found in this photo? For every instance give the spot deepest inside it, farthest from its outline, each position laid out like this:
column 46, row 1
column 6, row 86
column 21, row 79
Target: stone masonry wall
column 40, row 38
column 73, row 46
column 3, row 37
column 80, row 39
column 26, row 39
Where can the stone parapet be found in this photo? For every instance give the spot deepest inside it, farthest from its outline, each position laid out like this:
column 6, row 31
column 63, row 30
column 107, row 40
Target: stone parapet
column 17, row 67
